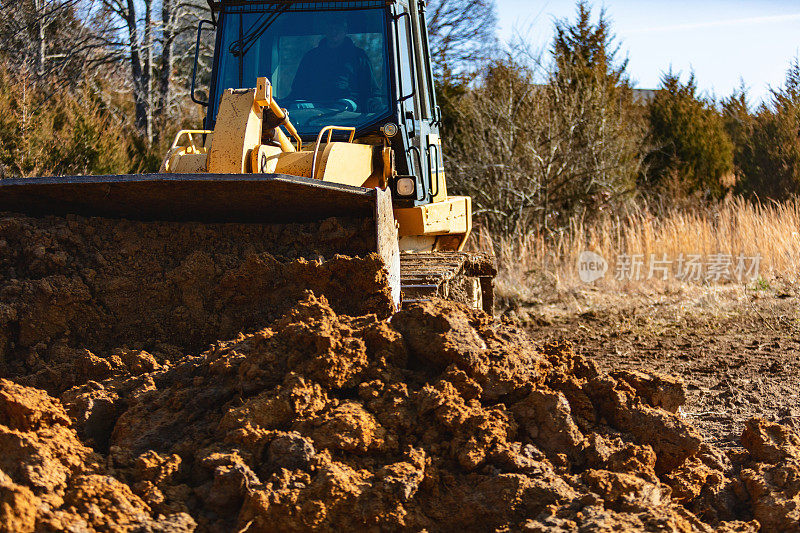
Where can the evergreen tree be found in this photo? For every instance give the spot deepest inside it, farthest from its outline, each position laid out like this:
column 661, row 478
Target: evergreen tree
column 770, row 161
column 739, row 124
column 585, row 53
column 591, row 97
column 692, row 152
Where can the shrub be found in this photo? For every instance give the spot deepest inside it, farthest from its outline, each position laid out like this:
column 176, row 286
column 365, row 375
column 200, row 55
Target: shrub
column 44, row 131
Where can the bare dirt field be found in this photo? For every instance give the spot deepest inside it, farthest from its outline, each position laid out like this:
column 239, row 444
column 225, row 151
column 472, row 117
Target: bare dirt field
column 736, row 347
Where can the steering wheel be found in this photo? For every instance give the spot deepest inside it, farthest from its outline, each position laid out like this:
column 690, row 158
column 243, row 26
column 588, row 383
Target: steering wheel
column 348, row 104
column 322, row 117
column 342, row 104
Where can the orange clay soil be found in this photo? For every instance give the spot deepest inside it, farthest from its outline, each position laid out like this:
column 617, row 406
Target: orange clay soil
column 437, row 419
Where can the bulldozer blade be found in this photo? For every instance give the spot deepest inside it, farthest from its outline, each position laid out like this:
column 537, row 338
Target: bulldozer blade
column 264, row 198
column 210, row 198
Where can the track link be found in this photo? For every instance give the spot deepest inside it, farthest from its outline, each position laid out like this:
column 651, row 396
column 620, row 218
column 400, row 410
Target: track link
column 460, row 276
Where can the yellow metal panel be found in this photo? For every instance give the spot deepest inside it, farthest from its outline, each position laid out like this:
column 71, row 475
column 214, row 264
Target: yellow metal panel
column 237, row 132
column 449, row 217
column 346, row 163
column 295, row 164
column 188, row 164
column 411, row 221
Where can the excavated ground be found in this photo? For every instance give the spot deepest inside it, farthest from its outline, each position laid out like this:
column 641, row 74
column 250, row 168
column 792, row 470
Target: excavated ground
column 736, row 347
column 329, row 418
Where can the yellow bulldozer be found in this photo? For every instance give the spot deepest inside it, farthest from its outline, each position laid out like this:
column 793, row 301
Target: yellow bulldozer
column 362, row 142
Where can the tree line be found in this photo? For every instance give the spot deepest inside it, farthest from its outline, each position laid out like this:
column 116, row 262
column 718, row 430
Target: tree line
column 93, row 86
column 143, row 45
column 539, row 139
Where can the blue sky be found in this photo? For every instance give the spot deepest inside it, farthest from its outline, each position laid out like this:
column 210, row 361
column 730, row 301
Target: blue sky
column 722, row 41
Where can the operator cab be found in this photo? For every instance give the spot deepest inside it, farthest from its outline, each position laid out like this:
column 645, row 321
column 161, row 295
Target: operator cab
column 326, row 67
column 355, row 63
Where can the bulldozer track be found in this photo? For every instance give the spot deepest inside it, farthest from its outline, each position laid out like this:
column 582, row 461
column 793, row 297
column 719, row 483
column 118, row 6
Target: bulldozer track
column 429, row 275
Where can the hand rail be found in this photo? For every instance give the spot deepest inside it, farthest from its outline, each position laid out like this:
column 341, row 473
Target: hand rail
column 438, row 168
column 411, row 66
column 329, row 130
column 417, row 151
column 189, row 134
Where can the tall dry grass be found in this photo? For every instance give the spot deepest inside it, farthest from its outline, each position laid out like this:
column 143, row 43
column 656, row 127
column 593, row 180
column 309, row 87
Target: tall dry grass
column 733, row 234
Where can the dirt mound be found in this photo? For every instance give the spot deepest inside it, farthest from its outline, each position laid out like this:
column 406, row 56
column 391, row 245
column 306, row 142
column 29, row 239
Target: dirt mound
column 91, row 298
column 50, row 481
column 439, row 418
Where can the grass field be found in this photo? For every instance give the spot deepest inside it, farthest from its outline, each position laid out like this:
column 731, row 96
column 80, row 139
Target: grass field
column 735, row 242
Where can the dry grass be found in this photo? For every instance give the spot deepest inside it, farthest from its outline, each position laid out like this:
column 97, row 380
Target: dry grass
column 535, row 264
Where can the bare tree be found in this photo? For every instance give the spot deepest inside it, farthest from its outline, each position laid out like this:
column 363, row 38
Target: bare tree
column 539, row 154
column 148, row 37
column 53, row 38
column 140, row 67
column 178, row 24
column 168, row 21
column 462, row 35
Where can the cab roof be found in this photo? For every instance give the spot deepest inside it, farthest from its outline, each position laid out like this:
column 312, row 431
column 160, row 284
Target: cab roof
column 293, row 5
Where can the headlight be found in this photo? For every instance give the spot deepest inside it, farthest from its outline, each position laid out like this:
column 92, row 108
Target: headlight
column 389, row 129
column 406, row 186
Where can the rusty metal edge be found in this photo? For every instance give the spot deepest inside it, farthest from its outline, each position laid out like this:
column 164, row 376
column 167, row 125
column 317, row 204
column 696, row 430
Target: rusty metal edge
column 156, row 177
column 388, row 241
column 111, row 196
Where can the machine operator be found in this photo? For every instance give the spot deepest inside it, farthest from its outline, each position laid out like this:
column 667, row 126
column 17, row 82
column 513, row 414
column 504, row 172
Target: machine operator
column 336, row 72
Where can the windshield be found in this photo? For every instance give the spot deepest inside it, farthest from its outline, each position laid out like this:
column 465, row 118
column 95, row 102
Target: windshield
column 326, row 67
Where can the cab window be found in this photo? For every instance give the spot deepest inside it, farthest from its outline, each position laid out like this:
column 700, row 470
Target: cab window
column 326, row 67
